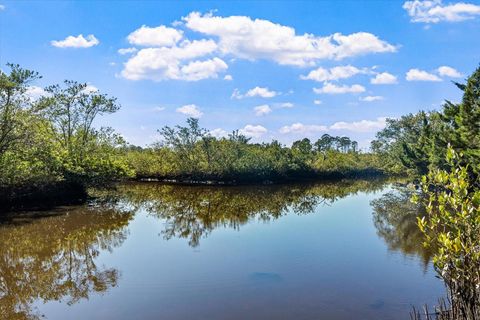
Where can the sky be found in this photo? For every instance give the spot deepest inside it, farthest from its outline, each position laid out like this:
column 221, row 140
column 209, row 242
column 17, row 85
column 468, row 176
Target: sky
column 274, row 70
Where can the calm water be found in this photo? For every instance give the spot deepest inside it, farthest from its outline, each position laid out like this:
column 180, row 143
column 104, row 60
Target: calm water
column 347, row 250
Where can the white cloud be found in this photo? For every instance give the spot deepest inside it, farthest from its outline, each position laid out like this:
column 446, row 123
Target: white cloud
column 335, row 73
column 190, row 110
column 255, row 92
column 286, row 105
column 356, row 126
column 384, row 78
column 434, row 11
column 76, row 42
column 34, row 92
column 175, row 62
column 360, row 126
column 228, row 77
column 156, row 37
column 420, row 75
column 198, row 70
column 251, row 39
column 317, row 102
column 330, row 88
column 124, row 51
column 218, row 133
column 446, row 71
column 371, row 98
column 90, row 89
column 302, row 128
column 253, row 131
column 262, row 110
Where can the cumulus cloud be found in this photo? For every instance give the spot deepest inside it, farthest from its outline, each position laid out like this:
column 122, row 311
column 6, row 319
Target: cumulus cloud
column 335, row 73
column 163, row 53
column 253, row 131
column 190, row 110
column 34, row 92
column 303, row 128
column 355, row 126
column 421, row 75
column 175, row 62
column 160, row 36
column 384, row 78
column 360, row 126
column 434, row 11
column 228, row 77
column 198, row 70
column 76, row 42
column 446, row 71
column 371, row 98
column 124, row 51
column 317, row 102
column 330, row 88
column 262, row 110
column 218, row 133
column 246, row 38
column 261, row 92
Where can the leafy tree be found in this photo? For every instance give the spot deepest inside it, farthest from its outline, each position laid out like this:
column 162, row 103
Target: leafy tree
column 72, row 110
column 15, row 106
column 408, row 143
column 452, row 225
column 183, row 141
column 462, row 120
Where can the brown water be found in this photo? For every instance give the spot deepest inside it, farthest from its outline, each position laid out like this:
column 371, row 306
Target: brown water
column 150, row 251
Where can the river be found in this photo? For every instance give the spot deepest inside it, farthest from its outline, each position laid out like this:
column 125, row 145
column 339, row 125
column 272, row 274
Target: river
column 344, row 250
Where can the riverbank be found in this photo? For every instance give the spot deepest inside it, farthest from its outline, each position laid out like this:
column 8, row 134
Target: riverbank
column 67, row 193
column 45, row 197
column 370, row 173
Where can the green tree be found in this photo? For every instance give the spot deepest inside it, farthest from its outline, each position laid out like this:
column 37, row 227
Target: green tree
column 463, row 123
column 452, row 227
column 15, row 105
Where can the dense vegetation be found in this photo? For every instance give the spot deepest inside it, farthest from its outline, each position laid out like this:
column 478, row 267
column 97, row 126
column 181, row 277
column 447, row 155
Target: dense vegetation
column 48, row 146
column 417, row 143
column 451, row 227
column 190, row 153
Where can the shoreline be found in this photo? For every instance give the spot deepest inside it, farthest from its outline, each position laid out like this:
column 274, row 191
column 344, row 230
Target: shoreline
column 64, row 193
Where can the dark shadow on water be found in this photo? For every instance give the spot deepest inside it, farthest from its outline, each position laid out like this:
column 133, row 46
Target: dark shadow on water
column 395, row 218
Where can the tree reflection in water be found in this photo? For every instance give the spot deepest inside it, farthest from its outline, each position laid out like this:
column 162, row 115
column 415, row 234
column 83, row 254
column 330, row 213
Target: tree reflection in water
column 53, row 258
column 193, row 212
column 395, row 218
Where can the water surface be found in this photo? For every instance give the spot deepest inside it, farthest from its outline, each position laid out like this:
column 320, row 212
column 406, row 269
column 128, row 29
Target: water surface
column 347, row 250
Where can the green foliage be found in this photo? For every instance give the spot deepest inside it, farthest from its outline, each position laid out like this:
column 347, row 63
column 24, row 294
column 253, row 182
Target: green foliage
column 51, row 140
column 15, row 106
column 416, row 143
column 452, row 225
column 189, row 153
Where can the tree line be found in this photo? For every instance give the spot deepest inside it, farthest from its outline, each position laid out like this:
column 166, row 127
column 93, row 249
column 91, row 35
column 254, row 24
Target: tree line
column 190, row 153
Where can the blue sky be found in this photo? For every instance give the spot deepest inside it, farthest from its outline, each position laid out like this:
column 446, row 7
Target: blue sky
column 276, row 70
